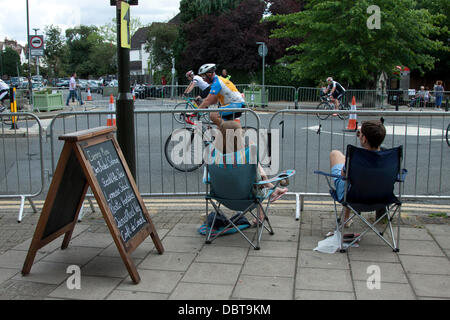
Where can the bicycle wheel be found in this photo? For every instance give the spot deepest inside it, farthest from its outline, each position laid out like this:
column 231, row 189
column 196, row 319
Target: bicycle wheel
column 181, row 150
column 447, row 135
column 343, row 106
column 180, row 117
column 324, row 106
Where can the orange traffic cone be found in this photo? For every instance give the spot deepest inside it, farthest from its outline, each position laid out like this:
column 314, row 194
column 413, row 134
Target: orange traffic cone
column 111, row 120
column 352, row 123
column 134, row 95
column 89, row 97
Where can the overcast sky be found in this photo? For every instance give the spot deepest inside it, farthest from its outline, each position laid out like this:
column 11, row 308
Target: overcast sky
column 69, row 13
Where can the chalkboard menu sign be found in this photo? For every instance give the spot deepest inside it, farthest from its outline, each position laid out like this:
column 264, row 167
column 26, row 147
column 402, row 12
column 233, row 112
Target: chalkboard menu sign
column 119, row 195
column 92, row 158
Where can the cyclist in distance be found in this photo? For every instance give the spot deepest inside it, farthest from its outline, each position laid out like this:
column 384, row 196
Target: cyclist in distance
column 336, row 91
column 196, row 81
column 222, row 91
column 4, row 94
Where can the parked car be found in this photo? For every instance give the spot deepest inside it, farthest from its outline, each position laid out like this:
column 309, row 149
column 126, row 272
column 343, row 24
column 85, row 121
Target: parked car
column 82, row 84
column 94, row 86
column 143, row 91
column 62, row 83
column 19, row 82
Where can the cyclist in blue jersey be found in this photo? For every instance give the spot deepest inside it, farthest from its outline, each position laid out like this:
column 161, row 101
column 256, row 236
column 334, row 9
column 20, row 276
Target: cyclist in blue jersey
column 222, row 91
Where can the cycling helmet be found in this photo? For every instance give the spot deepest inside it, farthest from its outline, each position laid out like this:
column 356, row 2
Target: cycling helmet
column 209, row 67
column 329, row 79
column 190, row 73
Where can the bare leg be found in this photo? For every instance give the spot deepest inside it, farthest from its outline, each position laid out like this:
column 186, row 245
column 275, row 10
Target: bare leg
column 215, row 118
column 337, row 157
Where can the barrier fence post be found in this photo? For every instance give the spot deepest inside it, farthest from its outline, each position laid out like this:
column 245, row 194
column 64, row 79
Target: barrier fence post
column 13, row 104
column 446, row 105
column 396, row 100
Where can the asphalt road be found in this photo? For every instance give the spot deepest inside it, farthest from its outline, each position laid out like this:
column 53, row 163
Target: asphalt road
column 300, row 146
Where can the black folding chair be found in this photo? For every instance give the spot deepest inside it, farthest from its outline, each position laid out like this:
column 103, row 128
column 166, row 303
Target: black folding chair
column 370, row 177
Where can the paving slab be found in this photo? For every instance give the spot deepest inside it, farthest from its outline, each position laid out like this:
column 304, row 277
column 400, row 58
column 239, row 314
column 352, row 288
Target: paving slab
column 269, row 267
column 73, row 255
column 201, row 291
column 431, row 285
column 285, row 249
column 323, row 279
column 428, row 265
column 389, row 272
column 323, row 295
column 136, row 295
column 219, row 254
column 212, row 273
column 14, row 259
column 314, row 259
column 157, row 281
column 46, row 272
column 387, row 291
column 420, row 248
column 92, row 288
column 258, row 287
column 171, row 261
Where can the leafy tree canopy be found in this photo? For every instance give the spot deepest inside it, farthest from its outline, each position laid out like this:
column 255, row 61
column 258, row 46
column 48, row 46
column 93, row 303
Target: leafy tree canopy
column 337, row 42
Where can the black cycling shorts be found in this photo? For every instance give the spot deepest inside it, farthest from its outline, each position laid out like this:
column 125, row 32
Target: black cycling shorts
column 205, row 92
column 337, row 95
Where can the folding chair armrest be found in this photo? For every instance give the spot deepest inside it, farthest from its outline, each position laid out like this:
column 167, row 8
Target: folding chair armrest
column 279, row 177
column 402, row 175
column 329, row 174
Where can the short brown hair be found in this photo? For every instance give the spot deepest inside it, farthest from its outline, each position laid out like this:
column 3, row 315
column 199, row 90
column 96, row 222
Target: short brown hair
column 374, row 131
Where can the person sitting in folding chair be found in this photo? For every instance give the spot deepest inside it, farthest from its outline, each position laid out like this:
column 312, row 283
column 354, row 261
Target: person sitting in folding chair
column 239, row 182
column 371, row 136
column 364, row 179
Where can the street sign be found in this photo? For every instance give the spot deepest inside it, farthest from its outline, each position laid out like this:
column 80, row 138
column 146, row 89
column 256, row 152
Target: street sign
column 262, row 50
column 125, row 25
column 36, row 43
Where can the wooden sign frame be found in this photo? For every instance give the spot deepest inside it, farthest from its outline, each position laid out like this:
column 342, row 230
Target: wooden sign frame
column 60, row 212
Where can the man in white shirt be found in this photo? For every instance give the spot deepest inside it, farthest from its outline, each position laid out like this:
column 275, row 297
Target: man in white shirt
column 73, row 90
column 197, row 81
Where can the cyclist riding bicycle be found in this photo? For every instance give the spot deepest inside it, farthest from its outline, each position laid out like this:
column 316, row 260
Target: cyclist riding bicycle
column 222, row 91
column 197, row 81
column 4, row 94
column 337, row 91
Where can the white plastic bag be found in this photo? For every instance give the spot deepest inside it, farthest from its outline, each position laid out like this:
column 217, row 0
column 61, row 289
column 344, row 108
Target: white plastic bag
column 329, row 244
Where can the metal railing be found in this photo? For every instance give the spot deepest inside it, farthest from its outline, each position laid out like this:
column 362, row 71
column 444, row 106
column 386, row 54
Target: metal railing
column 306, row 142
column 22, row 158
column 155, row 176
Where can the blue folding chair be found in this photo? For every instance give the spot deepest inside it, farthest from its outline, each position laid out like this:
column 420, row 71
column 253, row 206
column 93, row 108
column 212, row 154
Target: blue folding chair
column 234, row 188
column 370, row 177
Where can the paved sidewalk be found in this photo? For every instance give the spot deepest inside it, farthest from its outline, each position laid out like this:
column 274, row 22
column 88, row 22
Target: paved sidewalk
column 286, row 267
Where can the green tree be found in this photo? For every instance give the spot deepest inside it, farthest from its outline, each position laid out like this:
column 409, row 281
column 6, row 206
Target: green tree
column 336, row 40
column 54, row 49
column 159, row 44
column 10, row 61
column 108, row 31
column 88, row 54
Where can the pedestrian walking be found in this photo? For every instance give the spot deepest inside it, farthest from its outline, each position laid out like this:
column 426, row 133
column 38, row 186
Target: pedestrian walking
column 73, row 90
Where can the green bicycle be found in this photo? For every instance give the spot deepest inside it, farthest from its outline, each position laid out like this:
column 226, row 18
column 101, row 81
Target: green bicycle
column 189, row 104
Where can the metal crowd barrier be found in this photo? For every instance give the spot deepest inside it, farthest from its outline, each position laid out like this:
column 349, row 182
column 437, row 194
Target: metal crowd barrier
column 306, row 142
column 22, row 159
column 155, row 176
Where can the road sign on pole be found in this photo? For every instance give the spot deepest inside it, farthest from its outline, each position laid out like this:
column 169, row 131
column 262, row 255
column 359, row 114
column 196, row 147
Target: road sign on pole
column 262, row 50
column 36, row 43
